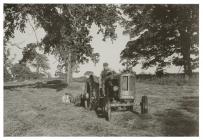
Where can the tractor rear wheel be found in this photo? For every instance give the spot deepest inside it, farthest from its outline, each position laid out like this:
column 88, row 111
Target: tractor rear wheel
column 144, row 105
column 108, row 110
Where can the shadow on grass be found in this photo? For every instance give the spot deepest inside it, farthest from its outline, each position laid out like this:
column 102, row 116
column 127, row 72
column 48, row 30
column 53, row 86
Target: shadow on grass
column 190, row 104
column 12, row 87
column 102, row 114
column 176, row 123
column 54, row 84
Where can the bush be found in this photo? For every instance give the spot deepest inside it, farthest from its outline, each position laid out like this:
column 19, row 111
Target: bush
column 21, row 72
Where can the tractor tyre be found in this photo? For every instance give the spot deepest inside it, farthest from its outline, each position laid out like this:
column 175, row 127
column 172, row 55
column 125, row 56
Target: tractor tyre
column 108, row 110
column 144, row 105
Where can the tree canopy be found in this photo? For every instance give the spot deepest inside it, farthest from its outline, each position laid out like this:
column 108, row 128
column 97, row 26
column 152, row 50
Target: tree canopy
column 66, row 26
column 160, row 35
column 163, row 31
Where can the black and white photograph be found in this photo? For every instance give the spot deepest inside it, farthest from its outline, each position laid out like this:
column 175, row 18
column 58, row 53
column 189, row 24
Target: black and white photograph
column 100, row 69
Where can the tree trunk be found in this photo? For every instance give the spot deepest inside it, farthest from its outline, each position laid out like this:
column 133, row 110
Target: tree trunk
column 38, row 76
column 68, row 70
column 37, row 69
column 186, row 44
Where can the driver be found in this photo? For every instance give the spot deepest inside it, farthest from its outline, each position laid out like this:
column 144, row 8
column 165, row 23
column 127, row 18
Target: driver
column 106, row 73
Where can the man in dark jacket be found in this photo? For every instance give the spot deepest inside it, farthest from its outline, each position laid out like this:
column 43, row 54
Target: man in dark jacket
column 105, row 75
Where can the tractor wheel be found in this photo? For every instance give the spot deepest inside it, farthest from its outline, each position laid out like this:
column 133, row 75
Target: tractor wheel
column 144, row 105
column 108, row 111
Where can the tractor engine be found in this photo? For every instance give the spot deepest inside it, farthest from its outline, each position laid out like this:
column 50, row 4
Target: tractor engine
column 121, row 87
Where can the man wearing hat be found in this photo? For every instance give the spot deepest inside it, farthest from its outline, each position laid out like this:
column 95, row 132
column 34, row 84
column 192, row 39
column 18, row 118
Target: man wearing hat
column 106, row 72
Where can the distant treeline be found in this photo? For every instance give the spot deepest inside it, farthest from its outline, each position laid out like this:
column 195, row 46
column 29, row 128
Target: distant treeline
column 169, row 79
column 148, row 76
column 176, row 75
column 165, row 79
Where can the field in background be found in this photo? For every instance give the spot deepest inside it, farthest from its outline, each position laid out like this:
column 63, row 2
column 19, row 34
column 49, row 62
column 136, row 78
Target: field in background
column 169, row 79
column 31, row 109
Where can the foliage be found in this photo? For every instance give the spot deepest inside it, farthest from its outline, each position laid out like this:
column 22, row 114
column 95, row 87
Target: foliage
column 14, row 19
column 41, row 63
column 29, row 53
column 88, row 73
column 38, row 61
column 159, row 72
column 67, row 28
column 163, row 31
column 20, row 71
column 7, row 75
column 36, row 75
column 8, row 63
column 176, row 79
column 59, row 72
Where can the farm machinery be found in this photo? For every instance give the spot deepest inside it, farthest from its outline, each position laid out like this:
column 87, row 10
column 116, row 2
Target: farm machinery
column 118, row 91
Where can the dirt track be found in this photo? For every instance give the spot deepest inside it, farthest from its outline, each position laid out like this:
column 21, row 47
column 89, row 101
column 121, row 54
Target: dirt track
column 30, row 111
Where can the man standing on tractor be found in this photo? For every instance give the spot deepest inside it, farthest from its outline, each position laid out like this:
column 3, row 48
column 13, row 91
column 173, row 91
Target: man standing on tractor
column 105, row 74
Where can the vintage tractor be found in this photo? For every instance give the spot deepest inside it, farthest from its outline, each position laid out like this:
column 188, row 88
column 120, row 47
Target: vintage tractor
column 119, row 92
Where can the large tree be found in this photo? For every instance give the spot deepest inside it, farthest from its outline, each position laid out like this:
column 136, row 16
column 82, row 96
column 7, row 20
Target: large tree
column 162, row 32
column 66, row 26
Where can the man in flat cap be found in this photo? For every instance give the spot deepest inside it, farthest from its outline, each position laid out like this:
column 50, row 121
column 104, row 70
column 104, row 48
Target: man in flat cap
column 106, row 72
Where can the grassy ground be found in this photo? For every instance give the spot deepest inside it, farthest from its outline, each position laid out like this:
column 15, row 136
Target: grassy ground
column 30, row 110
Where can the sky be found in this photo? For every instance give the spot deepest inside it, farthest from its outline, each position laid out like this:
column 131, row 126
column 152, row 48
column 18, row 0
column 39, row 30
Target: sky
column 109, row 51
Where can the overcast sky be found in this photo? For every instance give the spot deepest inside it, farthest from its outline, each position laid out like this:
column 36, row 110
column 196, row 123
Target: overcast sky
column 109, row 52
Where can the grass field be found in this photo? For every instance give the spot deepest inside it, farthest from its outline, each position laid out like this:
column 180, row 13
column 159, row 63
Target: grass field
column 30, row 110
